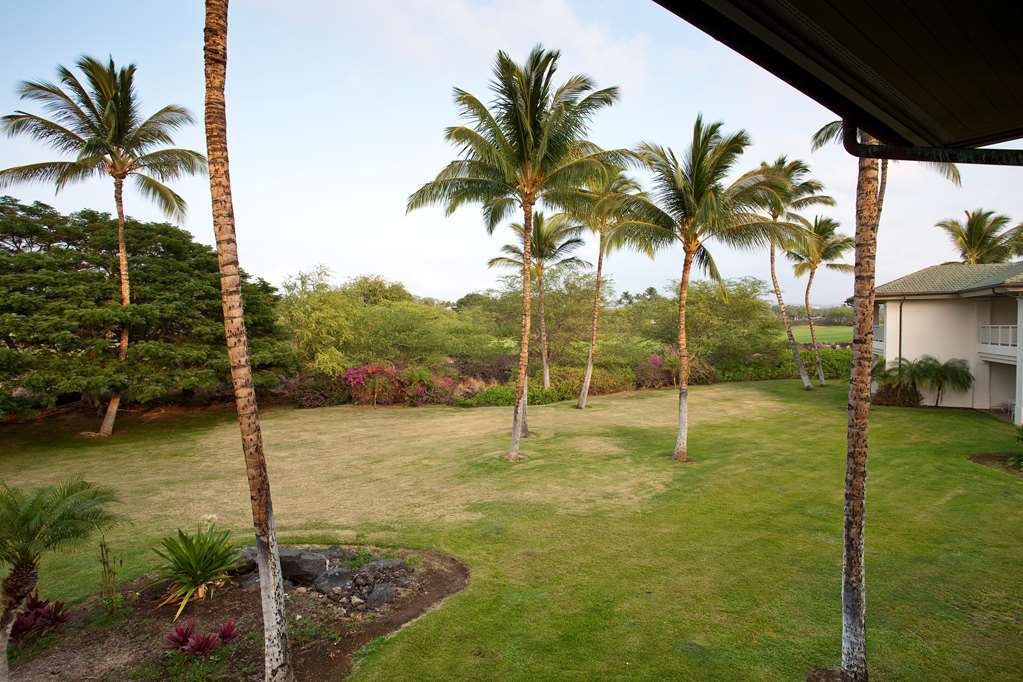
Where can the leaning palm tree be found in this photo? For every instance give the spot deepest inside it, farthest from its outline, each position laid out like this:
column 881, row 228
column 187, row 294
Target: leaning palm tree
column 553, row 242
column 35, row 522
column 799, row 192
column 276, row 654
column 984, row 237
column 604, row 211
column 823, row 247
column 871, row 184
column 693, row 204
column 98, row 123
column 526, row 148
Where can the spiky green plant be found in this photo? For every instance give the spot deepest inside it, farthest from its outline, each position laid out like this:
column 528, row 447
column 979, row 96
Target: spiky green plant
column 984, row 237
column 37, row 521
column 195, row 564
column 693, row 203
column 527, row 147
column 822, row 247
column 554, row 241
column 97, row 122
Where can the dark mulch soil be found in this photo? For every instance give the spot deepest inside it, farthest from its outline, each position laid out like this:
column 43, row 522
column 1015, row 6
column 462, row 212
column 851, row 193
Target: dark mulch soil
column 128, row 644
column 996, row 460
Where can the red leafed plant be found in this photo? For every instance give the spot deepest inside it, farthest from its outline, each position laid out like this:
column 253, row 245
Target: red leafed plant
column 202, row 645
column 228, row 631
column 178, row 639
column 37, row 617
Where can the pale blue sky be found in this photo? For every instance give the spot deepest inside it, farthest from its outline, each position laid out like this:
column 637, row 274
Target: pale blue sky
column 336, row 112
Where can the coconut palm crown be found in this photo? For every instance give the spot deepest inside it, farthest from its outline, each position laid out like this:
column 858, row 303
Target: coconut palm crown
column 554, row 240
column 527, row 147
column 984, row 237
column 98, row 122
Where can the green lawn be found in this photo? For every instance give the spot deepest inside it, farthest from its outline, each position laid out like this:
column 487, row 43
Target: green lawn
column 599, row 558
column 824, row 334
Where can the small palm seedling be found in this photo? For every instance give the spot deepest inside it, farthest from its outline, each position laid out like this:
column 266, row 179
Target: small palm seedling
column 37, row 521
column 195, row 564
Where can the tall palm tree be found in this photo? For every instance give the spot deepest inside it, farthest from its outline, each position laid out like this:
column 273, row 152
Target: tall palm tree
column 871, row 184
column 693, row 204
column 526, row 148
column 553, row 242
column 824, row 247
column 604, row 213
column 276, row 654
column 984, row 237
column 800, row 192
column 35, row 522
column 98, row 122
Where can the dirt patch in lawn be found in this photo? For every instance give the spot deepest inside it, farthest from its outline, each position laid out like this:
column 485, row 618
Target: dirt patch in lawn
column 324, row 633
column 996, row 460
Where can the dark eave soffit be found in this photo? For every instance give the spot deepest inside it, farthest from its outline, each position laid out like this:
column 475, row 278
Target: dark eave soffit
column 822, row 48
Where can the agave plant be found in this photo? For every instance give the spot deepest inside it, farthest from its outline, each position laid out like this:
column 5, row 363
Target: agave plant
column 195, row 565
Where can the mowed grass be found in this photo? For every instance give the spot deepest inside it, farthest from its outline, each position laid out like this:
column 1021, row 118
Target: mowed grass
column 600, row 558
column 824, row 334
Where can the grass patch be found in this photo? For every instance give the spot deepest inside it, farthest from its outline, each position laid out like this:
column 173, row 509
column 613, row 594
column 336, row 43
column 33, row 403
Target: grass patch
column 829, row 334
column 598, row 557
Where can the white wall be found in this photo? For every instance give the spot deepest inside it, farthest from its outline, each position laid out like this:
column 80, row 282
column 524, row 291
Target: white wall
column 945, row 329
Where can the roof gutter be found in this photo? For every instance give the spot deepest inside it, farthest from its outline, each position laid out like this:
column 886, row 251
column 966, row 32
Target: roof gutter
column 988, row 157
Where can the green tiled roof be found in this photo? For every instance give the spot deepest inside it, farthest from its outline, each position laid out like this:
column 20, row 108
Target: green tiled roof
column 951, row 278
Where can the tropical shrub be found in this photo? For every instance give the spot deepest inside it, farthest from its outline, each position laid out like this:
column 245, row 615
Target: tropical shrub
column 837, row 364
column 37, row 617
column 568, row 381
column 314, row 389
column 195, row 564
column 504, row 395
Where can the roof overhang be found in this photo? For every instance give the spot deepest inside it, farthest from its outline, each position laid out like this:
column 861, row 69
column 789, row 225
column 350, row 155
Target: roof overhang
column 942, row 74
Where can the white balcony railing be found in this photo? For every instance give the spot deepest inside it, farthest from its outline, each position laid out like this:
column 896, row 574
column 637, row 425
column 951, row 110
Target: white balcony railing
column 879, row 334
column 1003, row 336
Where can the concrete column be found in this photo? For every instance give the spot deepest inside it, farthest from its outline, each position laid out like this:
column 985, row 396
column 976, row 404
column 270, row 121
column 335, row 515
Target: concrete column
column 1018, row 416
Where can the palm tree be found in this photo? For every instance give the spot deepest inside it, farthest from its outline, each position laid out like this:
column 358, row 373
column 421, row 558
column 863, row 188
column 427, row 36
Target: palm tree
column 871, row 185
column 694, row 204
column 824, row 247
column 39, row 521
column 799, row 192
column 98, row 122
column 983, row 237
column 528, row 147
column 952, row 374
column 553, row 242
column 276, row 655
column 604, row 215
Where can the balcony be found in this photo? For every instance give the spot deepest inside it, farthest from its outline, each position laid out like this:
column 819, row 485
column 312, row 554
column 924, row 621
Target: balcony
column 998, row 342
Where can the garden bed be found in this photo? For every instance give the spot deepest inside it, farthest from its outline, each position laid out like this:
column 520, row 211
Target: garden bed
column 996, row 460
column 368, row 593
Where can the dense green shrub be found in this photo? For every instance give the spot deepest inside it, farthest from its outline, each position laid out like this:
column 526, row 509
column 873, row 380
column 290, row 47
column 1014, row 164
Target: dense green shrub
column 569, row 380
column 504, row 395
column 837, row 364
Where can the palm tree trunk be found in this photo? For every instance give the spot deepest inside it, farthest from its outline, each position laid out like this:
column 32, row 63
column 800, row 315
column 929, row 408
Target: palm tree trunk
column 803, row 376
column 813, row 331
column 519, row 415
column 544, row 350
column 107, row 427
column 18, row 584
column 854, row 592
column 584, row 392
column 682, row 439
column 277, row 660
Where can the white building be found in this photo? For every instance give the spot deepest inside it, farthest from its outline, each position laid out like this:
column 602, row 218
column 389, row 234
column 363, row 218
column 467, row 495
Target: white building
column 961, row 311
